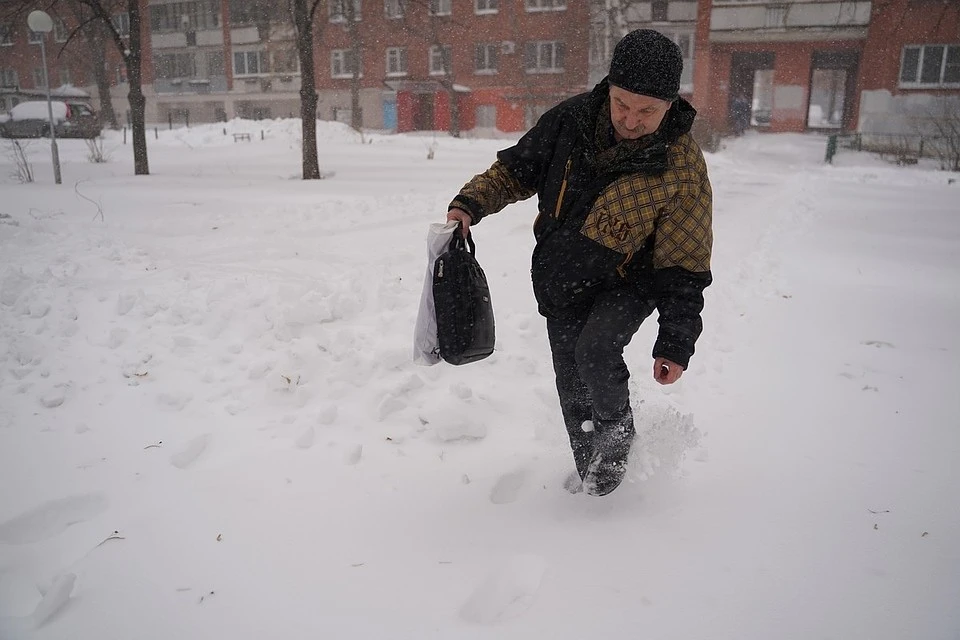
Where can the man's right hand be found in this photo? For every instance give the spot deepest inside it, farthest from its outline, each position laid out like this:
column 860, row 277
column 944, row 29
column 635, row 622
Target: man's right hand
column 462, row 217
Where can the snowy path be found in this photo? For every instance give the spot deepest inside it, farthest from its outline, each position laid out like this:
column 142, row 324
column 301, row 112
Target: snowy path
column 219, row 372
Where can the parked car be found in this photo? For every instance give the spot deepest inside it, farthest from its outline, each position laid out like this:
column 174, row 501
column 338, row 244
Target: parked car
column 72, row 119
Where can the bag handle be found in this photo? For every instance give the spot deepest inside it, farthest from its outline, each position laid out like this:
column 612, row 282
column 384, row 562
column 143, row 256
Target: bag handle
column 457, row 242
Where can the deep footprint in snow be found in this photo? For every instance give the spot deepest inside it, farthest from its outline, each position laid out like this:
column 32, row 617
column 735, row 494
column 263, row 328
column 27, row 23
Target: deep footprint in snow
column 507, row 592
column 508, row 486
column 52, row 518
column 186, row 456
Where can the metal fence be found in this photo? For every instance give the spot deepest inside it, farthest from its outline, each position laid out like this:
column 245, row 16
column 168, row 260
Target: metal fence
column 900, row 148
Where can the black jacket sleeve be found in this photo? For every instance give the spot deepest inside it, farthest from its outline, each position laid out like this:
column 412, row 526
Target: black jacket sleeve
column 518, row 172
column 679, row 300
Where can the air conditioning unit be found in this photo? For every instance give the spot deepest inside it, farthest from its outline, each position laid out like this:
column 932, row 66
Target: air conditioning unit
column 508, row 47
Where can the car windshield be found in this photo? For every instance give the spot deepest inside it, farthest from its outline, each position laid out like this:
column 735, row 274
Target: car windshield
column 81, row 109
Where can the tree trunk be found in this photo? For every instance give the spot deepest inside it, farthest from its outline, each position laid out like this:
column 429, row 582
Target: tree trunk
column 356, row 48
column 454, row 113
column 138, row 102
column 108, row 117
column 303, row 18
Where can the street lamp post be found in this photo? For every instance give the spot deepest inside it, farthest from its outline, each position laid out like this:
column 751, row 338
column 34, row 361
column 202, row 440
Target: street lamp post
column 40, row 22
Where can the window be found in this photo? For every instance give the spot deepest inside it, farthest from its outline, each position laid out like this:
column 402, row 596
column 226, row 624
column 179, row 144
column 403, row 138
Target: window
column 658, row 10
column 342, row 63
column 776, row 17
column 250, row 63
column 198, row 15
column 487, row 6
column 393, row 8
column 396, row 61
column 171, row 66
column 441, row 7
column 121, row 22
column 39, row 78
column 6, row 36
column 485, row 58
column 441, row 60
column 34, row 37
column 544, row 57
column 339, row 9
column 64, row 76
column 8, row 78
column 930, row 65
column 60, row 31
column 546, row 5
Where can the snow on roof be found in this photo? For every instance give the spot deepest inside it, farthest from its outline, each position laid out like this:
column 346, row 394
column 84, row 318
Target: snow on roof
column 69, row 91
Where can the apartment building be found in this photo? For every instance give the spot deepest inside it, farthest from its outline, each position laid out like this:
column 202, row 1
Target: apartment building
column 502, row 62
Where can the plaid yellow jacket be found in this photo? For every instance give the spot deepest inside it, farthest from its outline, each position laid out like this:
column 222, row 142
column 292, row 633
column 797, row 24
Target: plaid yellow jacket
column 636, row 213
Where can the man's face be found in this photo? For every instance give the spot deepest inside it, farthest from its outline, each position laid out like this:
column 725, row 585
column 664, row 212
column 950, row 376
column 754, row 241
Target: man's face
column 634, row 115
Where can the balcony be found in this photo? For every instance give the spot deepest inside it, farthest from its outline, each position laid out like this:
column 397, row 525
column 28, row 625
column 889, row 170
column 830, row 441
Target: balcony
column 799, row 20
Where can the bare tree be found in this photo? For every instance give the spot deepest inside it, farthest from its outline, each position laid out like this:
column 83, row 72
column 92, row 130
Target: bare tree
column 356, row 51
column 270, row 17
column 431, row 34
column 98, row 15
column 131, row 52
column 93, row 37
column 944, row 124
column 304, row 15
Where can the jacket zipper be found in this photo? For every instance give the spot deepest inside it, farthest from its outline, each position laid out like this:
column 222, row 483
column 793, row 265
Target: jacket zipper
column 563, row 187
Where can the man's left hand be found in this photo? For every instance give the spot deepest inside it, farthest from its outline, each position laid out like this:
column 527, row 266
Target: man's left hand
column 665, row 371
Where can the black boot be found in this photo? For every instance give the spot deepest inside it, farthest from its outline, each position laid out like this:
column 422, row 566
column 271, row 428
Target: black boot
column 608, row 466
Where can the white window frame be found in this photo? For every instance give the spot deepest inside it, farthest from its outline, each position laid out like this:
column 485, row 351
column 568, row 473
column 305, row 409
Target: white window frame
column 545, row 5
column 336, row 10
column 121, row 22
column 38, row 77
column 541, row 47
column 393, row 9
column 60, row 31
column 9, row 78
column 34, row 37
column 64, row 72
column 435, row 59
column 441, row 7
column 483, row 50
column 397, row 55
column 340, row 63
column 261, row 56
column 486, row 7
column 6, row 36
column 917, row 83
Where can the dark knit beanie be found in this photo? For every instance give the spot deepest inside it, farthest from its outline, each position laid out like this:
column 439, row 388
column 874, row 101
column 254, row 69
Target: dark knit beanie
column 649, row 63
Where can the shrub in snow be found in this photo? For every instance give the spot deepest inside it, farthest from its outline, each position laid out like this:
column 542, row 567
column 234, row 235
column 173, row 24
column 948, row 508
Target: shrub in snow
column 24, row 170
column 95, row 150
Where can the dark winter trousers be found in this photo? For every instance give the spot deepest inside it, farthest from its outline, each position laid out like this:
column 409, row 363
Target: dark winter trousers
column 591, row 374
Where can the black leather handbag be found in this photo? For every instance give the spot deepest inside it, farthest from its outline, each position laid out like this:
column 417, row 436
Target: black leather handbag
column 461, row 296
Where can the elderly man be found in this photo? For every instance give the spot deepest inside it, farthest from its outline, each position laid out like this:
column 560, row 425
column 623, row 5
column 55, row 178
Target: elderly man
column 624, row 228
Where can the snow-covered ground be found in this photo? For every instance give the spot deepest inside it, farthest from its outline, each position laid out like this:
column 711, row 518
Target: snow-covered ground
column 211, row 425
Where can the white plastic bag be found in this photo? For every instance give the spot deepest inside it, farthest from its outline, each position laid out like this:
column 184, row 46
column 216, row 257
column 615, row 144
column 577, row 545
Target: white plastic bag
column 426, row 347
